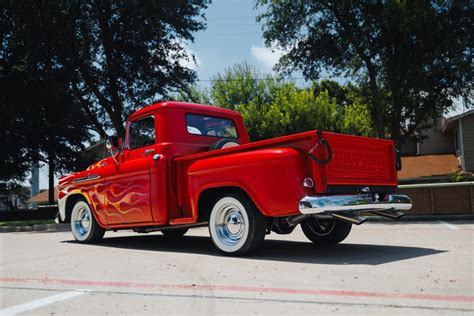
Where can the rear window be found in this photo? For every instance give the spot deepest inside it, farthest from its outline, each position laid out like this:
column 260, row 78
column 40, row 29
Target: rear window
column 210, row 126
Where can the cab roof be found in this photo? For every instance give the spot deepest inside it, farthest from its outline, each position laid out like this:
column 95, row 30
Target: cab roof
column 183, row 106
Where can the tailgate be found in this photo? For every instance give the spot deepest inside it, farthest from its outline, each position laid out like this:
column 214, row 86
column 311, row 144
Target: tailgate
column 357, row 162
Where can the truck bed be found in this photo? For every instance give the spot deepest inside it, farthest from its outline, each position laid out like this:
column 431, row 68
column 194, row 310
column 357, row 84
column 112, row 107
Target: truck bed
column 357, row 162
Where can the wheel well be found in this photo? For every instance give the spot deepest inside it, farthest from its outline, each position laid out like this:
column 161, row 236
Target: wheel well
column 70, row 202
column 208, row 197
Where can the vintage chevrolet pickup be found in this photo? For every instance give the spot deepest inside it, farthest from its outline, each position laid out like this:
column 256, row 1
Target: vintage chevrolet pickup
column 185, row 165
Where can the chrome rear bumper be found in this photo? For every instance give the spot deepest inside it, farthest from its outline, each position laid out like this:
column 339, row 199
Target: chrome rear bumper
column 344, row 203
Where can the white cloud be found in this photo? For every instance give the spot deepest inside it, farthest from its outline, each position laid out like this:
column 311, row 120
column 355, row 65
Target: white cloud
column 266, row 56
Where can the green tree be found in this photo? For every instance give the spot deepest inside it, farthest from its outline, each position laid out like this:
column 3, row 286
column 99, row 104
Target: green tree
column 72, row 66
column 335, row 90
column 40, row 119
column 417, row 51
column 357, row 119
column 192, row 94
column 292, row 111
column 126, row 53
column 241, row 84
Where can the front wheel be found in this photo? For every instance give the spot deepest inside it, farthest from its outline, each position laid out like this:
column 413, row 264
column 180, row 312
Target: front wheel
column 84, row 227
column 236, row 226
column 326, row 231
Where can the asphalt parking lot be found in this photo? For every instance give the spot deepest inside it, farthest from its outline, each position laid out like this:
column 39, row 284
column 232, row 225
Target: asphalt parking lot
column 410, row 268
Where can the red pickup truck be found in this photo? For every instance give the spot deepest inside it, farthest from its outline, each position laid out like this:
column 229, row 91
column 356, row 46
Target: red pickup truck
column 185, row 165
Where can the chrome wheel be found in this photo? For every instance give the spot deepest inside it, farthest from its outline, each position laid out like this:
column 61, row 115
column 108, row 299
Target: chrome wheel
column 326, row 231
column 229, row 224
column 321, row 227
column 81, row 221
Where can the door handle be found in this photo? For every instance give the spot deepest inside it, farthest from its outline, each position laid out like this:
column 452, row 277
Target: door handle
column 148, row 151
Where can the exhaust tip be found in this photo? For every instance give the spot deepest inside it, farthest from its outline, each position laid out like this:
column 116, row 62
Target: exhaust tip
column 354, row 219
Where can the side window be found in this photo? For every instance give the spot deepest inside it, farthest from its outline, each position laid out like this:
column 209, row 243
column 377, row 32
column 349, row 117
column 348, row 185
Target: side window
column 142, row 132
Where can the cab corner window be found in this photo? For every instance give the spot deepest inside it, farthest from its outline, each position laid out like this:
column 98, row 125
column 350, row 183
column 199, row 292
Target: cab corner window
column 142, row 132
column 210, row 126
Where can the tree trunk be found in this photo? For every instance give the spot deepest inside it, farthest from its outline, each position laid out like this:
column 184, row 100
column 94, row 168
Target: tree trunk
column 104, row 15
column 376, row 104
column 396, row 113
column 116, row 117
column 51, row 178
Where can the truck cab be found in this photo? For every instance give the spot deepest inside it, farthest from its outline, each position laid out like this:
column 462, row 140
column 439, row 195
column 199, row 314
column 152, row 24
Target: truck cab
column 185, row 165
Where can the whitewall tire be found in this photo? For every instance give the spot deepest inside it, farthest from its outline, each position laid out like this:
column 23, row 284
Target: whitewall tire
column 236, row 226
column 84, row 227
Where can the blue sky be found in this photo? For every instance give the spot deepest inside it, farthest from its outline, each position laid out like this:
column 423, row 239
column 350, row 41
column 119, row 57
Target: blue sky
column 232, row 36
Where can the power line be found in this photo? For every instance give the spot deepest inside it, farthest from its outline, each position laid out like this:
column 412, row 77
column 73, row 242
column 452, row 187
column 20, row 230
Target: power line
column 238, row 33
column 233, row 18
column 232, row 25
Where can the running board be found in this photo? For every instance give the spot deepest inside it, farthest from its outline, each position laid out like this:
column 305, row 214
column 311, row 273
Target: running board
column 388, row 214
column 354, row 219
column 145, row 230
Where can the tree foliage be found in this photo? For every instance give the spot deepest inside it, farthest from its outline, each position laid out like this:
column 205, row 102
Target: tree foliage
column 73, row 66
column 240, row 84
column 291, row 111
column 124, row 54
column 40, row 120
column 418, row 52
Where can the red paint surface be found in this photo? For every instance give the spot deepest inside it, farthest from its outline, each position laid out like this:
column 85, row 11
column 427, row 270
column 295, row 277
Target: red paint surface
column 233, row 288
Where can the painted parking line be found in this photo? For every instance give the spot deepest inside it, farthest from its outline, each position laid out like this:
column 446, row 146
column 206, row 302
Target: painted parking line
column 450, row 226
column 234, row 288
column 24, row 307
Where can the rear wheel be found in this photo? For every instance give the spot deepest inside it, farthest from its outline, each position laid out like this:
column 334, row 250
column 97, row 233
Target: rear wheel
column 174, row 233
column 236, row 226
column 326, row 231
column 84, row 227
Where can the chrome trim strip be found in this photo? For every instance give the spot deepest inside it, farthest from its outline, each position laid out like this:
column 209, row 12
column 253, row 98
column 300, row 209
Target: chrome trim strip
column 86, row 178
column 342, row 203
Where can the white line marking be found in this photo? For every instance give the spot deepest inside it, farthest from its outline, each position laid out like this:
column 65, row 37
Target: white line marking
column 20, row 308
column 450, row 226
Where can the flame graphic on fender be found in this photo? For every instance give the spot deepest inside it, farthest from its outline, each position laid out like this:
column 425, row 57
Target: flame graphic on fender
column 96, row 194
column 115, row 202
column 124, row 199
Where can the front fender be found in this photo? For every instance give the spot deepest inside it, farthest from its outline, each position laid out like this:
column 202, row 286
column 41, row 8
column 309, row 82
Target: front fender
column 92, row 193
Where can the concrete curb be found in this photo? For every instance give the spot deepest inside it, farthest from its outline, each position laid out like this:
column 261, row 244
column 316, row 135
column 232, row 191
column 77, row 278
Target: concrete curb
column 36, row 228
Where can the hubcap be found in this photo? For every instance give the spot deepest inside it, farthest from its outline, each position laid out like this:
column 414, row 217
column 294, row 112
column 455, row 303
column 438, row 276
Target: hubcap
column 322, row 227
column 82, row 221
column 230, row 224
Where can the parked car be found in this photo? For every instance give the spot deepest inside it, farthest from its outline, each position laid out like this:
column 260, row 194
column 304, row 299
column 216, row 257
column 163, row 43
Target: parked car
column 185, row 165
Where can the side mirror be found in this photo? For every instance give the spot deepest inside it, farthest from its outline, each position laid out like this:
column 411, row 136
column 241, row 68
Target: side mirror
column 113, row 143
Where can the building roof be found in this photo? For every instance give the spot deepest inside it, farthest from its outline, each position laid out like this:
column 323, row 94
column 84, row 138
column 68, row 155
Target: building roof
column 42, row 197
column 450, row 122
column 428, row 166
